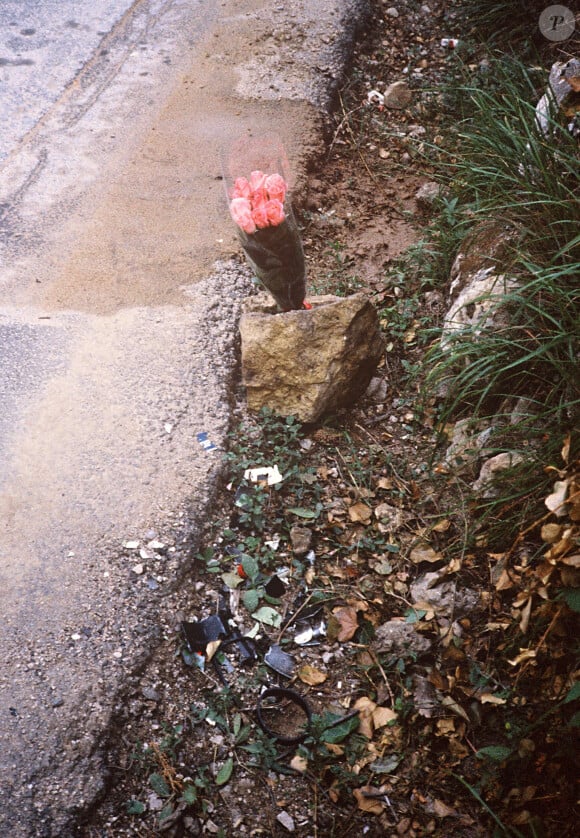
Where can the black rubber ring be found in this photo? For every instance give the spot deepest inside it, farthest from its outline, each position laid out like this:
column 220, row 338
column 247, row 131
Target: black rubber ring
column 295, row 698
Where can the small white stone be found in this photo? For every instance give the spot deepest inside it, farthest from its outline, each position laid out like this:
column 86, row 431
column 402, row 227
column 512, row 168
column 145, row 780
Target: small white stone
column 392, row 12
column 138, row 569
column 286, row 820
column 156, row 545
column 131, row 545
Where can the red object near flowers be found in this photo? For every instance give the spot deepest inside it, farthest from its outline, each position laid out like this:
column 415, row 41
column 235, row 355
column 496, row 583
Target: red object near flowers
column 270, row 237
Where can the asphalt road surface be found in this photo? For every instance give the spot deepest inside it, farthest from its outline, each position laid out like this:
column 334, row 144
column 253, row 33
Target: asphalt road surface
column 117, row 333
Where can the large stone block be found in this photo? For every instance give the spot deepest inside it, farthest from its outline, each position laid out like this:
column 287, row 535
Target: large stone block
column 309, row 363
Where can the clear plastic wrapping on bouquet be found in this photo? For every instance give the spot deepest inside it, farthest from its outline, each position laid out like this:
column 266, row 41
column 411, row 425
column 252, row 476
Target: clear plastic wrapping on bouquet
column 260, row 207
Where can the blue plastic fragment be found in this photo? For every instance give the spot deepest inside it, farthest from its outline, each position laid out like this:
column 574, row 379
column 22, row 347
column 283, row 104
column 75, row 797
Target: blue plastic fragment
column 205, row 443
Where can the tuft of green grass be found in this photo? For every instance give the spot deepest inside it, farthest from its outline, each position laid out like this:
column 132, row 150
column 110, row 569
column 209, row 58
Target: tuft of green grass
column 517, row 367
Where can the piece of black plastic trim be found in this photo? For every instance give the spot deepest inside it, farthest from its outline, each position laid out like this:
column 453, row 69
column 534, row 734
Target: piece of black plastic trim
column 295, row 698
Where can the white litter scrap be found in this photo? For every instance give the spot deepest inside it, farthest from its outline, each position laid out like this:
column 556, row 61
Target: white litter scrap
column 374, row 97
column 267, row 475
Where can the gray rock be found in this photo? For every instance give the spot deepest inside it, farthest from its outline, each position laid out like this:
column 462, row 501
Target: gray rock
column 427, row 194
column 485, row 484
column 286, row 820
column 443, row 595
column 309, row 363
column 477, row 306
column 398, row 96
column 399, row 639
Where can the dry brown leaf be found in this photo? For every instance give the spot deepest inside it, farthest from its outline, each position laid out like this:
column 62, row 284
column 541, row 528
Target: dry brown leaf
column 565, row 453
column 452, row 705
column 365, row 707
column 524, row 655
column 424, row 553
column 346, row 616
column 337, row 750
column 310, row 675
column 550, row 533
column 212, row 648
column 442, row 810
column 490, row 698
column 445, row 727
column 385, row 483
column 525, row 618
column 442, row 526
column 360, row 513
column 572, row 561
column 556, row 502
column 358, row 604
column 504, row 582
column 371, row 803
column 383, row 716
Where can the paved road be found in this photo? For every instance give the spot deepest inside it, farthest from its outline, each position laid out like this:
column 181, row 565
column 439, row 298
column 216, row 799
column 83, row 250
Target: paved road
column 117, row 333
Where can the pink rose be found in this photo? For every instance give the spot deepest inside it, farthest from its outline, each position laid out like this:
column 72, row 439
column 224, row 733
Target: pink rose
column 242, row 188
column 259, row 197
column 276, row 187
column 241, row 212
column 260, row 216
column 257, row 179
column 275, row 212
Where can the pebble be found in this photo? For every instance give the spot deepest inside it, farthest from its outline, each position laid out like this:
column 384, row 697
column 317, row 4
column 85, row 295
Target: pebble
column 286, row 820
column 392, row 12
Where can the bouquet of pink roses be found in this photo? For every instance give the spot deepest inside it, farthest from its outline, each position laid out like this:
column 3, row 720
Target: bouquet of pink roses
column 270, row 237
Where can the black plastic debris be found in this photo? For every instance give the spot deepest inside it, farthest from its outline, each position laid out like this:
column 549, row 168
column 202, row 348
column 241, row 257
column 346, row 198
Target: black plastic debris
column 275, row 587
column 245, row 647
column 202, row 632
column 280, row 661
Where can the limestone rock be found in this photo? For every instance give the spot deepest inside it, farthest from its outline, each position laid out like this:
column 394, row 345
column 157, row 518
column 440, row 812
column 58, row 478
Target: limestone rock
column 491, row 470
column 309, row 363
column 427, row 195
column 399, row 639
column 443, row 595
column 561, row 99
column 477, row 305
column 398, row 96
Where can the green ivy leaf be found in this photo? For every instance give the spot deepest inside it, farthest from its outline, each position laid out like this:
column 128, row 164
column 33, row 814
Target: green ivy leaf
column 135, row 807
column 338, row 732
column 159, row 785
column 268, row 616
column 495, row 752
column 573, row 694
column 302, row 513
column 251, row 599
column 571, row 596
column 225, row 772
column 232, row 580
column 251, row 568
column 189, row 795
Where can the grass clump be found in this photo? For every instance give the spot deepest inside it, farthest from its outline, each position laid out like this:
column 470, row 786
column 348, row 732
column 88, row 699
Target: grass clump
column 516, row 365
